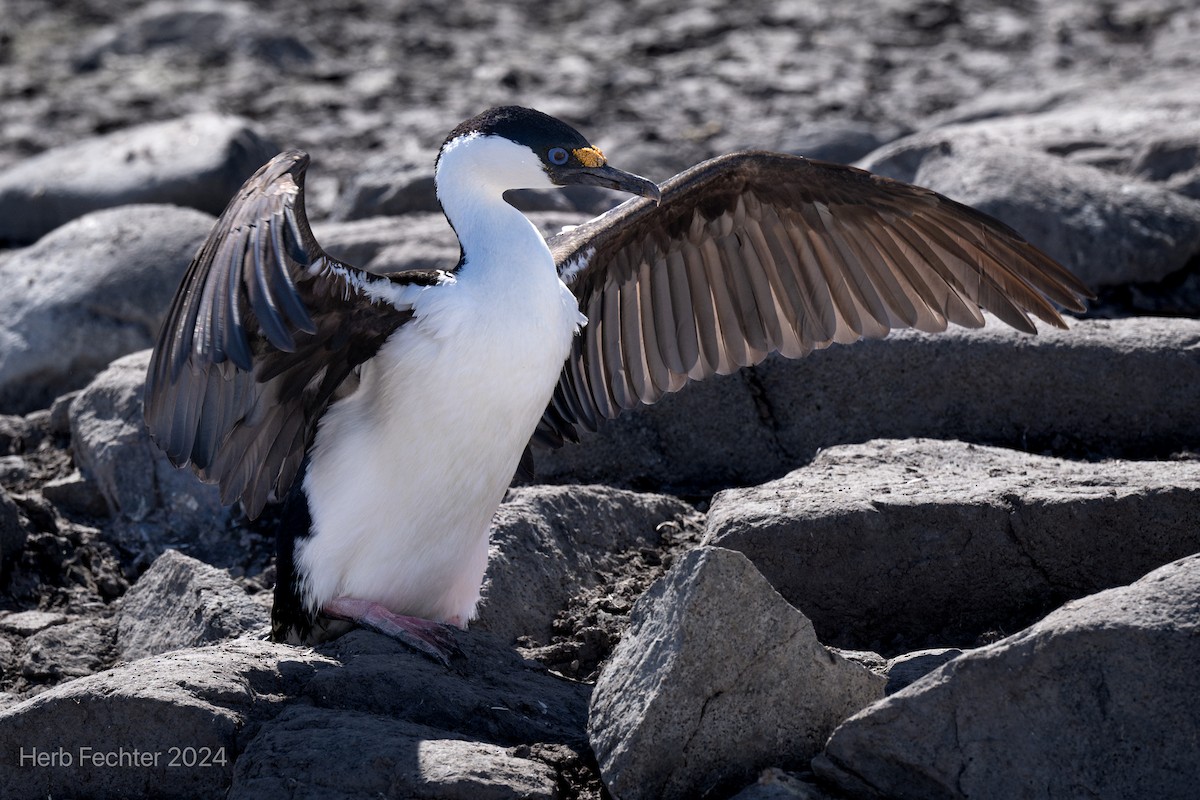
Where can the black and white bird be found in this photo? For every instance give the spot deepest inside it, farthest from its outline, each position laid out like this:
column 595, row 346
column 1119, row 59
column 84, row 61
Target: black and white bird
column 395, row 409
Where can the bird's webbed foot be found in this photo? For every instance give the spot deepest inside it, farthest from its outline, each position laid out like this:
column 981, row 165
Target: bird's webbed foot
column 434, row 639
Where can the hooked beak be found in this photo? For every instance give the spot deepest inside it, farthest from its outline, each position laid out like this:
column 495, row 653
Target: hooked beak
column 611, row 178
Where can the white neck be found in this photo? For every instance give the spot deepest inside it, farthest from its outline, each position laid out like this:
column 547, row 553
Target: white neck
column 473, row 173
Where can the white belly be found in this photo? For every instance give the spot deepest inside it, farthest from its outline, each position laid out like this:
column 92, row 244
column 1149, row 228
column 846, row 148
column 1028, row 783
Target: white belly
column 407, row 472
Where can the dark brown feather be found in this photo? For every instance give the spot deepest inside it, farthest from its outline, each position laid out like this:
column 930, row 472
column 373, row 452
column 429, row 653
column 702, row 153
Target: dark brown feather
column 260, row 338
column 753, row 253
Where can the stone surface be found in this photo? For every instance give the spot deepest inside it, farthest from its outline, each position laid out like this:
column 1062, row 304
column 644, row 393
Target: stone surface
column 181, row 602
column 373, row 756
column 549, row 543
column 716, row 679
column 198, row 161
column 1098, row 700
column 71, row 650
column 95, row 289
column 13, row 528
column 1106, row 387
column 27, row 623
column 114, row 452
column 200, row 701
column 913, row 543
column 911, row 667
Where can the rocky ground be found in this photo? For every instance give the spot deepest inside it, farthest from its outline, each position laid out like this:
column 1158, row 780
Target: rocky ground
column 961, row 565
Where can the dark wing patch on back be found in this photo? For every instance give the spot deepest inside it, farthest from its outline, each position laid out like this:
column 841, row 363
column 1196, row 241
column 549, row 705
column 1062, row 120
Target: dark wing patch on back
column 262, row 335
column 754, row 253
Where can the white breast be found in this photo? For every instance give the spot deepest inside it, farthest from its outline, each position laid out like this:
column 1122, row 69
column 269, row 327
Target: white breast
column 407, row 472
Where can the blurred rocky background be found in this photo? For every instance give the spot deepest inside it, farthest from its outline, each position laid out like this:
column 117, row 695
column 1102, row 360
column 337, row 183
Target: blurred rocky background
column 928, row 567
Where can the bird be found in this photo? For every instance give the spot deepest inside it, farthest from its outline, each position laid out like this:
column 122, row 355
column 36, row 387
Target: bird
column 387, row 414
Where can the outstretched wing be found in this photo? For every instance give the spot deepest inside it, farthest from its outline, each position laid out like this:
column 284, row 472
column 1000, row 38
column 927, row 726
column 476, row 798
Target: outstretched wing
column 754, row 253
column 261, row 336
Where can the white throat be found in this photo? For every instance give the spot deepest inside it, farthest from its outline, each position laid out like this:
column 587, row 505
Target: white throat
column 473, row 173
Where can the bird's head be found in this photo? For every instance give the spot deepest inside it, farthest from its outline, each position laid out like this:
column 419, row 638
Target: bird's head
column 518, row 148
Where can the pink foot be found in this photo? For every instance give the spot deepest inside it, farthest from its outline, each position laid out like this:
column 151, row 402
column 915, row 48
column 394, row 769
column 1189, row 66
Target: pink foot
column 429, row 637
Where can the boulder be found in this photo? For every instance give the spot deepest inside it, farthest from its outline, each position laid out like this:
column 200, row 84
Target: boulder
column 197, row 161
column 716, row 679
column 550, row 543
column 95, row 289
column 203, row 33
column 113, row 450
column 1098, row 700
column 1124, row 387
column 13, row 527
column 70, row 650
column 170, row 721
column 181, row 602
column 896, row 544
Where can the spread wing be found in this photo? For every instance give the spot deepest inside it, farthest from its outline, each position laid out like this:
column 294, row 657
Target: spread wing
column 754, row 253
column 262, row 335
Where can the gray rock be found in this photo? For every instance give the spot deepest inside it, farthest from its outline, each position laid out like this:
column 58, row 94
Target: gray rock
column 549, row 543
column 199, row 32
column 13, row 469
column 717, row 679
column 908, row 542
column 1107, row 229
column 778, row 784
column 910, row 667
column 1097, row 700
column 113, row 451
column 1106, row 387
column 162, row 715
column 198, row 161
column 71, row 650
column 93, row 290
column 75, row 494
column 389, row 184
column 27, row 623
column 181, row 602
column 366, row 755
column 13, row 528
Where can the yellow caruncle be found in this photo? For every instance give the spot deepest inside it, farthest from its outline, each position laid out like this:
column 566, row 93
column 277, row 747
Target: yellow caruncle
column 590, row 157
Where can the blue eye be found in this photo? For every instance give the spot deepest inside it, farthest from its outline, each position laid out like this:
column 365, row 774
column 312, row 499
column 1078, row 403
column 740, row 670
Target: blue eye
column 558, row 156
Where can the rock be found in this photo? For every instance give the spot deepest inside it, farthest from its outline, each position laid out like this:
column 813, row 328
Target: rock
column 71, row 650
column 113, row 451
column 1104, row 388
column 911, row 667
column 75, row 494
column 390, row 184
column 198, row 161
column 12, row 528
column 417, row 762
column 895, row 544
column 169, row 721
column 1098, row 699
column 716, row 679
column 13, row 469
column 95, row 289
column 776, row 784
column 549, row 543
column 1107, row 229
column 181, row 602
column 203, row 33
column 27, row 623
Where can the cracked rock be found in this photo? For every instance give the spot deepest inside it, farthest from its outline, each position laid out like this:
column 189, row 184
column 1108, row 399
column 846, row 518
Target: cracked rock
column 1096, row 700
column 182, row 602
column 895, row 545
column 716, row 679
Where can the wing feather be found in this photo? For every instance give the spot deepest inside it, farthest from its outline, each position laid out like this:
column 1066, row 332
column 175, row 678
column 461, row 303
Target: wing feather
column 261, row 336
column 754, row 253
